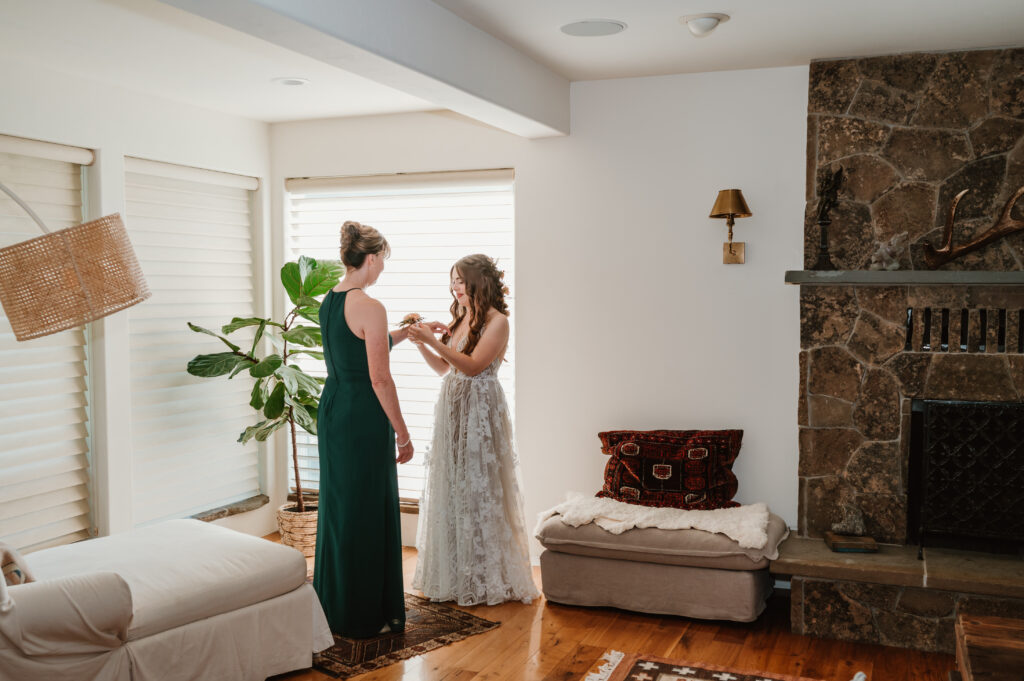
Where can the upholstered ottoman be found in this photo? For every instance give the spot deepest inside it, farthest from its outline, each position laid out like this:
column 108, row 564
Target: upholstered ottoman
column 685, row 572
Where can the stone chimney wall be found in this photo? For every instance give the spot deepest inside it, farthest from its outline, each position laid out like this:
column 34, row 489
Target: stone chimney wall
column 911, row 131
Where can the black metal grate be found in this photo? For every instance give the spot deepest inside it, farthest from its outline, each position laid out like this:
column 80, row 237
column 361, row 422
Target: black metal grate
column 967, row 474
column 971, row 330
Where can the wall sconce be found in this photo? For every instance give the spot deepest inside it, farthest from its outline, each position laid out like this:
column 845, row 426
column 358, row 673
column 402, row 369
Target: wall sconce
column 730, row 205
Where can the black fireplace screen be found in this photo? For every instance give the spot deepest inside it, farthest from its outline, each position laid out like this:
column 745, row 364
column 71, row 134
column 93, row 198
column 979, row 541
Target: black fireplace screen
column 966, row 485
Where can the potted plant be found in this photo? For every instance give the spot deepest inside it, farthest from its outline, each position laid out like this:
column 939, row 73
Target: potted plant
column 283, row 393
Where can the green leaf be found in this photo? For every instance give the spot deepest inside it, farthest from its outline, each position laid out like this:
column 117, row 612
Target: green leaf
column 275, row 403
column 261, row 431
column 306, row 265
column 268, row 366
column 268, row 429
column 241, row 322
column 199, row 329
column 257, row 398
column 304, row 419
column 307, row 383
column 259, row 334
column 308, row 336
column 323, row 278
column 296, row 380
column 242, row 366
column 249, row 432
column 307, row 301
column 289, row 377
column 291, row 280
column 217, row 364
column 316, row 354
column 275, row 340
column 311, row 312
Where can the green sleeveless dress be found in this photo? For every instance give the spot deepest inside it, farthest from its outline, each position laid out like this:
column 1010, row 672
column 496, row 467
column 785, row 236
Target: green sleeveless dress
column 358, row 564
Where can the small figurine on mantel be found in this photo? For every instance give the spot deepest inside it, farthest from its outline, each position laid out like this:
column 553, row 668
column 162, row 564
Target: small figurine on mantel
column 829, row 198
column 849, row 535
column 887, row 257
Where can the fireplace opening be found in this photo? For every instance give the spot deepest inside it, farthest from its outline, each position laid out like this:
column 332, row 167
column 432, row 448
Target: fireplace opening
column 966, row 475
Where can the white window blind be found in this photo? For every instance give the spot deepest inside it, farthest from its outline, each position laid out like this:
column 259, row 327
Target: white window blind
column 44, row 407
column 193, row 232
column 431, row 220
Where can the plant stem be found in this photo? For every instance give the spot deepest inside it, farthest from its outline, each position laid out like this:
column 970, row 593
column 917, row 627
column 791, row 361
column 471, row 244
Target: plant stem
column 295, row 462
column 291, row 423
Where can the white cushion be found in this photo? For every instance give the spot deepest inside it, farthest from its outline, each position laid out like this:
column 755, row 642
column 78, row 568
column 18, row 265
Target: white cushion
column 68, row 616
column 180, row 571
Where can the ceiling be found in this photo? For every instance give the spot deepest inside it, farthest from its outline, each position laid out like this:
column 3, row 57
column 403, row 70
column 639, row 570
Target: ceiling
column 147, row 46
column 152, row 47
column 759, row 33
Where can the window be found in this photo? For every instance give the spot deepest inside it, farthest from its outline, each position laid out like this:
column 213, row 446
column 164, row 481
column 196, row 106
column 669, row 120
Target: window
column 44, row 406
column 193, row 233
column 431, row 220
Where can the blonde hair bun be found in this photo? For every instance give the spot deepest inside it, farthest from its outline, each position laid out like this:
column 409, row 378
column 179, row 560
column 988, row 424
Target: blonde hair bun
column 358, row 241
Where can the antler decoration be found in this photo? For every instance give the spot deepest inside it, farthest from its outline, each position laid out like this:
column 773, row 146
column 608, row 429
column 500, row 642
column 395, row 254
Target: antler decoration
column 1004, row 226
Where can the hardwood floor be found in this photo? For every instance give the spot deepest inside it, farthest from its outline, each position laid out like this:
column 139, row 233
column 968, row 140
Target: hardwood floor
column 550, row 642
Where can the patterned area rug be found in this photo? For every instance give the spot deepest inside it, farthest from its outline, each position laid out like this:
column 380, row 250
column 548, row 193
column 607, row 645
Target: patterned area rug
column 618, row 666
column 427, row 626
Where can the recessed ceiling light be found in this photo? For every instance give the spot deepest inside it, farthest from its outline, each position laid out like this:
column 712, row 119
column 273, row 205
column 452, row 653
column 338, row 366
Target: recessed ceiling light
column 590, row 28
column 290, row 80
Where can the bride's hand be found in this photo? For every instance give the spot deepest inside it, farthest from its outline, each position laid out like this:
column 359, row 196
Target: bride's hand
column 436, row 327
column 420, row 333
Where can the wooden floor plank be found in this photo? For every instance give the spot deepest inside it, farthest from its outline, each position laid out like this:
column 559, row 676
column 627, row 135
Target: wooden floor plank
column 575, row 665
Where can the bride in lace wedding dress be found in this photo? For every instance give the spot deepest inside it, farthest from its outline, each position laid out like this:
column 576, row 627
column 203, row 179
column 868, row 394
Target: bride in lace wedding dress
column 472, row 539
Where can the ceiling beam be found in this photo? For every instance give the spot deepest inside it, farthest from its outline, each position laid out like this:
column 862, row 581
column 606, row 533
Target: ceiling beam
column 414, row 46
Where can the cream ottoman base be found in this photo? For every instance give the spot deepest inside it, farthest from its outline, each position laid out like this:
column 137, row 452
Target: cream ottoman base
column 705, row 593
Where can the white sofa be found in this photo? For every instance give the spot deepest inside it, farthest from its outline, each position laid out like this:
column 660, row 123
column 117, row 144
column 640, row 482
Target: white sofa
column 179, row 600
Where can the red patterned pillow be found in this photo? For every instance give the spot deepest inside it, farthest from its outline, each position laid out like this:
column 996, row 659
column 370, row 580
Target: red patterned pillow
column 689, row 469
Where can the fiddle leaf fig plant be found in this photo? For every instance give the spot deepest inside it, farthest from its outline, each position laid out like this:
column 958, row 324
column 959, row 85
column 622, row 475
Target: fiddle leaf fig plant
column 283, row 393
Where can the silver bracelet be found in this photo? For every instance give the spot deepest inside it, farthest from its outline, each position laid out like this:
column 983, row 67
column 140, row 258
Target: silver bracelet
column 402, row 444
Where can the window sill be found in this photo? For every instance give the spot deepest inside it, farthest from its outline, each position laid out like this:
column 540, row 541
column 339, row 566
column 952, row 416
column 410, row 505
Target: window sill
column 404, row 505
column 243, row 506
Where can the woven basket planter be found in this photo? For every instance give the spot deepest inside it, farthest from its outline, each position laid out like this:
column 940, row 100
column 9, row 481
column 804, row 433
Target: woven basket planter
column 298, row 529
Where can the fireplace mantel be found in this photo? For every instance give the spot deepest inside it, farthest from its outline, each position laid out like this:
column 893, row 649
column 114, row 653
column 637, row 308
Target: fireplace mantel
column 903, row 278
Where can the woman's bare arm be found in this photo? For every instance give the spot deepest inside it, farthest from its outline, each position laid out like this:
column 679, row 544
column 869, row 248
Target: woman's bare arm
column 437, row 363
column 370, row 318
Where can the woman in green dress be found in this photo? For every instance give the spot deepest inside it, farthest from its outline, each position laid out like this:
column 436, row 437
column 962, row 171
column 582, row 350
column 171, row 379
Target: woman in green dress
column 358, row 564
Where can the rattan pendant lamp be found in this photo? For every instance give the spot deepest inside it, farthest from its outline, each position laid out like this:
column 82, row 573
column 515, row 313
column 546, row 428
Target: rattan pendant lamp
column 66, row 278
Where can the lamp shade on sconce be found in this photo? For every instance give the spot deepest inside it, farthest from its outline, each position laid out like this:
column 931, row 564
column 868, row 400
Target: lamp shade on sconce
column 730, row 203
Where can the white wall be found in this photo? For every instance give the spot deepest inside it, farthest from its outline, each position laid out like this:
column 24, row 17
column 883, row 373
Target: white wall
column 46, row 105
column 627, row 317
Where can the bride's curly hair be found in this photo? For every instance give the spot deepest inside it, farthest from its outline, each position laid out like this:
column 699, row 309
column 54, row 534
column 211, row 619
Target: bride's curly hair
column 485, row 287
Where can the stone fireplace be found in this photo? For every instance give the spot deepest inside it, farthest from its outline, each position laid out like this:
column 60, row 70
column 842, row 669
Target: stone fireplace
column 862, row 364
column 910, row 131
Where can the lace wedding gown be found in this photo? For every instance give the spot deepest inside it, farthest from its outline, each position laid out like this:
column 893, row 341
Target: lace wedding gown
column 472, row 539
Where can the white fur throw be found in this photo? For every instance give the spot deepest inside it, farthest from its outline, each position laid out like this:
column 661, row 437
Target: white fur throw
column 746, row 525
